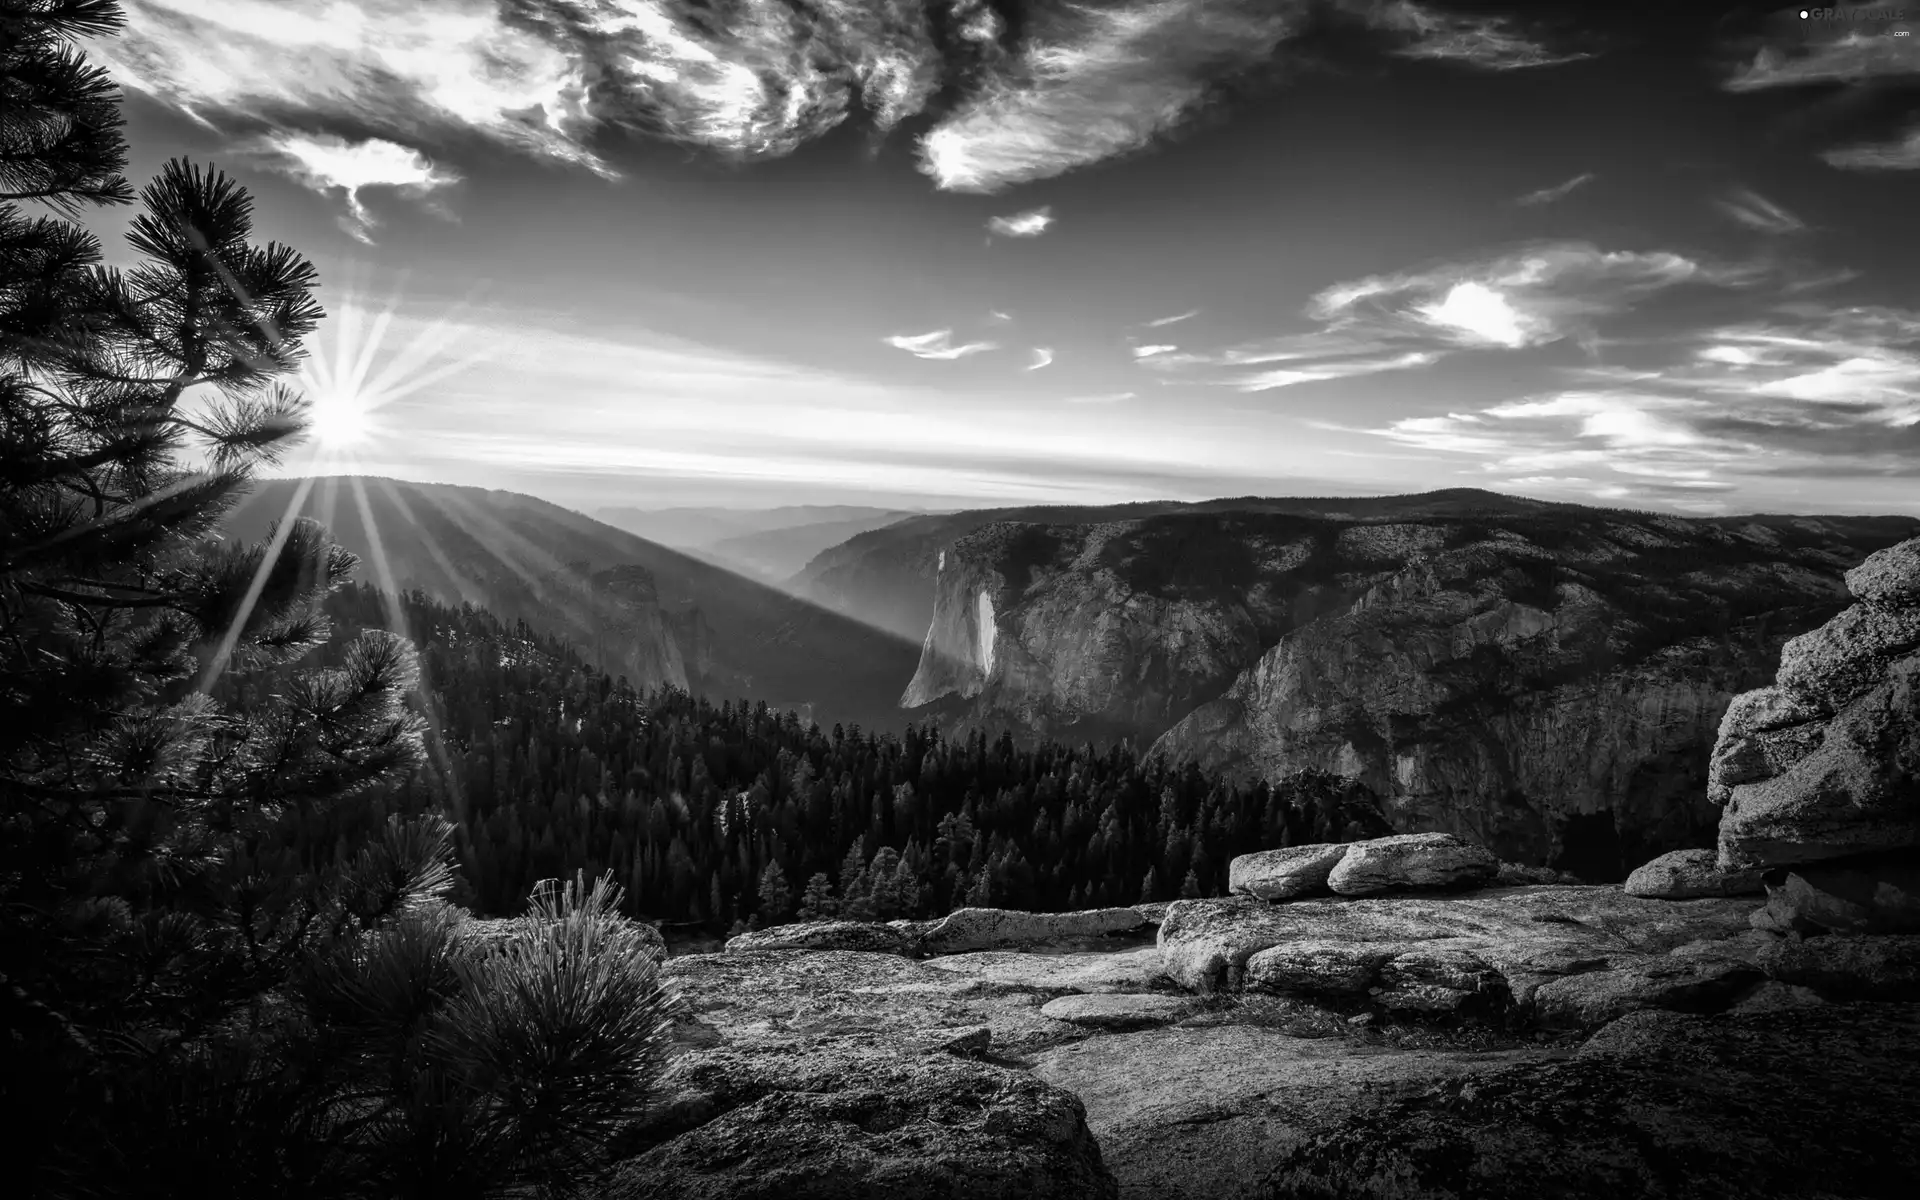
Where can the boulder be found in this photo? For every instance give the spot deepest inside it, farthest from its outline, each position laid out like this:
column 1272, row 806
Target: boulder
column 1314, row 967
column 1118, row 1010
column 1002, row 928
column 1773, row 994
column 1689, row 875
column 1816, row 1101
column 847, row 1123
column 1411, row 860
column 1285, row 873
column 1877, row 895
column 1849, row 654
column 824, row 935
column 1442, row 976
column 1520, row 875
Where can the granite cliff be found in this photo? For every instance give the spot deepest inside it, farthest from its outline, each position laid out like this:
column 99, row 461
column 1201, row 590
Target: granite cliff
column 1545, row 681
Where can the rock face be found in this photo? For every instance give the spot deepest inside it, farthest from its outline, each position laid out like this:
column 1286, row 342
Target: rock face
column 1411, row 860
column 1689, row 875
column 1815, row 1102
column 1544, row 682
column 1826, row 763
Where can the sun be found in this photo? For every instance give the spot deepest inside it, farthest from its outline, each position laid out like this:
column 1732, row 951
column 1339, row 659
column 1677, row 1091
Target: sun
column 338, row 418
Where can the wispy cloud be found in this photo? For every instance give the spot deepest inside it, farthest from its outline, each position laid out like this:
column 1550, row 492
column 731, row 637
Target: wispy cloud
column 1150, row 351
column 1262, row 381
column 1755, row 211
column 1902, row 154
column 1558, row 191
column 938, row 344
column 1491, row 43
column 1833, row 51
column 1103, row 398
column 1526, row 298
column 1157, row 322
column 1810, row 391
column 1041, row 357
column 1031, row 223
column 327, row 163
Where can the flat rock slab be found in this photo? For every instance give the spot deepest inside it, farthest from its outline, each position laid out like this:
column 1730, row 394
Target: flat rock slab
column 1118, row 1010
column 1136, row 970
column 1807, row 1102
column 853, row 1123
column 825, row 935
column 1185, row 1113
column 765, row 998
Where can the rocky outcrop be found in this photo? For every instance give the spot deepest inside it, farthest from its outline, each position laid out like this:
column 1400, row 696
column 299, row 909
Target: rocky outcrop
column 1802, row 1102
column 1877, row 894
column 1689, row 875
column 1825, row 764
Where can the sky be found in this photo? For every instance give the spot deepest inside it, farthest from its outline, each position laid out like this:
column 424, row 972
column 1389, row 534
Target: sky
column 943, row 253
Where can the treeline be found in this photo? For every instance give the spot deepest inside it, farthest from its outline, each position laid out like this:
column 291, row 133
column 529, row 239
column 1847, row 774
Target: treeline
column 728, row 814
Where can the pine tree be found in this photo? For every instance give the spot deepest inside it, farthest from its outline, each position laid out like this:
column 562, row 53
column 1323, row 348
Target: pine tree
column 1190, row 887
column 186, row 1008
column 776, row 897
column 1148, row 887
column 817, row 902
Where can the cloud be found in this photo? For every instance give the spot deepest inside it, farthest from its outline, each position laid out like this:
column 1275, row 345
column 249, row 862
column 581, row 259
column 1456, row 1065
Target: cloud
column 1811, row 392
column 996, row 315
column 1834, row 51
column 1104, row 398
column 1526, row 298
column 938, row 344
column 1491, row 43
column 1075, row 85
column 1340, row 369
column 1041, row 357
column 1900, row 155
column 324, row 163
column 1031, row 223
column 1157, row 322
column 1757, row 212
column 1557, row 192
column 1150, row 351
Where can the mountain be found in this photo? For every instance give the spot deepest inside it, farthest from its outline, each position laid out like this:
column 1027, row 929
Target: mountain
column 885, row 577
column 632, row 606
column 1546, row 680
column 777, row 554
column 686, row 528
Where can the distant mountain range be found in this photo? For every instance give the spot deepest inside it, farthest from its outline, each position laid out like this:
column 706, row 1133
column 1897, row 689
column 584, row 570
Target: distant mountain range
column 633, row 606
column 771, row 543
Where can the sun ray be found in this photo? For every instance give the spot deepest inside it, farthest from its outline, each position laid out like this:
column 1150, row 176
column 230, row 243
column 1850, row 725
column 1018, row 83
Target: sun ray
column 231, row 638
column 470, row 591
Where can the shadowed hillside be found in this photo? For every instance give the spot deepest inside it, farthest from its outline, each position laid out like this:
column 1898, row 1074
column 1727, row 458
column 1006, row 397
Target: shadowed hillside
column 564, row 572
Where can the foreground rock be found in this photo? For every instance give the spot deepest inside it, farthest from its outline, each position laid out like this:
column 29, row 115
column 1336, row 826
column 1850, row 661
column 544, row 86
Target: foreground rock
column 854, row 1123
column 1137, row 970
column 1826, row 763
column 1411, row 861
column 1690, row 875
column 1812, row 1102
